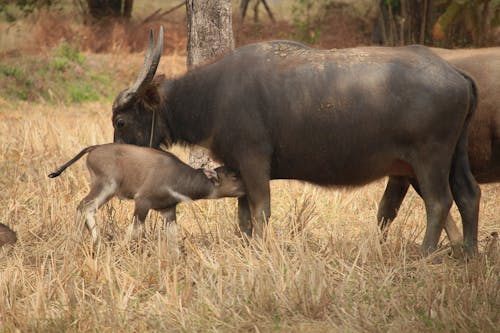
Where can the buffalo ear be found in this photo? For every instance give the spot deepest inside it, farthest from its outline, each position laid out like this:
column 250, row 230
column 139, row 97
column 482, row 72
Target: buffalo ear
column 150, row 94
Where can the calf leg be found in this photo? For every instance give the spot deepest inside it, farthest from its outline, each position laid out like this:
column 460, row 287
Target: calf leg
column 142, row 207
column 170, row 223
column 171, row 228
column 99, row 194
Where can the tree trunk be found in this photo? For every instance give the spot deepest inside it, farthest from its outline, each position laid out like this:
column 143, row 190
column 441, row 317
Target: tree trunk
column 127, row 8
column 403, row 22
column 210, row 34
column 110, row 8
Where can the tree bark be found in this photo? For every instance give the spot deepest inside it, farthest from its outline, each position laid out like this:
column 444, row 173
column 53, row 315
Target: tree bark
column 127, row 8
column 210, row 34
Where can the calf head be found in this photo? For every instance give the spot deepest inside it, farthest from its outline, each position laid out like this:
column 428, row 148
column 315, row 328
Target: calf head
column 227, row 183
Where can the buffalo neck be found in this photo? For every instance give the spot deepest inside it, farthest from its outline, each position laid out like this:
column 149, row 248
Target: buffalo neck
column 188, row 109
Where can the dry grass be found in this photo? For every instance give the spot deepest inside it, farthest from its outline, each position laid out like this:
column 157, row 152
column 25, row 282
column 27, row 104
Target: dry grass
column 321, row 267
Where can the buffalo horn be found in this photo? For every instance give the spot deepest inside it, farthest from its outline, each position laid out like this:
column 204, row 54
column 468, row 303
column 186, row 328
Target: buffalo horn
column 150, row 63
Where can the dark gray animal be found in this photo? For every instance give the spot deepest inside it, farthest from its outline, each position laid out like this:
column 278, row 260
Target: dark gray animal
column 278, row 109
column 483, row 65
column 154, row 179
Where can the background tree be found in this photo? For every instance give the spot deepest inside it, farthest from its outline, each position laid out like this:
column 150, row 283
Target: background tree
column 110, row 8
column 210, row 34
column 445, row 23
column 244, row 6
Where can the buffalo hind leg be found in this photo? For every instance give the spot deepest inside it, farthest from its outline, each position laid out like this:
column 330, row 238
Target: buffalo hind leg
column 394, row 194
column 450, row 227
column 466, row 194
column 99, row 194
column 436, row 193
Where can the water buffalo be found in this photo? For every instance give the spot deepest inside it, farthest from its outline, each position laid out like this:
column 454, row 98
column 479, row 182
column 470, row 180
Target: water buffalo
column 281, row 110
column 484, row 133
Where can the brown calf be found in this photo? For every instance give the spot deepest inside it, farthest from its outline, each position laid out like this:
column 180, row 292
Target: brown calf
column 154, row 179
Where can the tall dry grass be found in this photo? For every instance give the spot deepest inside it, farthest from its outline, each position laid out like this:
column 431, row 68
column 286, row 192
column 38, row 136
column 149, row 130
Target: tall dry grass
column 320, row 268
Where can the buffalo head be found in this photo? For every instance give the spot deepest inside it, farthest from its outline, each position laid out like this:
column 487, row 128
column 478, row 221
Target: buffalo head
column 135, row 118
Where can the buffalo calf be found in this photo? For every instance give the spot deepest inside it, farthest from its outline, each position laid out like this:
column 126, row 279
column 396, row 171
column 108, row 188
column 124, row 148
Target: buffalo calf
column 154, row 179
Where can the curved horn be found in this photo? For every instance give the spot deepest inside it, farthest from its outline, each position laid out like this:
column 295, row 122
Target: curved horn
column 151, row 62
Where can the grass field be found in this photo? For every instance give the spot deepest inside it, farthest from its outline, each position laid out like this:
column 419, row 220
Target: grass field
column 321, row 267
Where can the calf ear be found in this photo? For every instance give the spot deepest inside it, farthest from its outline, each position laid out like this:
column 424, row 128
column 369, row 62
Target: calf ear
column 212, row 175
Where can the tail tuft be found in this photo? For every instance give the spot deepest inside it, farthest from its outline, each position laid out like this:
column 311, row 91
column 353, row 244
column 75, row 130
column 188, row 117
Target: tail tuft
column 54, row 174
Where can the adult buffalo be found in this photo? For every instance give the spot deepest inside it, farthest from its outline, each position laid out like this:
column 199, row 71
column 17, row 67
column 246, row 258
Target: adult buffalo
column 280, row 110
column 484, row 133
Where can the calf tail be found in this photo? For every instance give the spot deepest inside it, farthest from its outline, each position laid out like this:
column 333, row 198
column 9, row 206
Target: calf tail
column 71, row 161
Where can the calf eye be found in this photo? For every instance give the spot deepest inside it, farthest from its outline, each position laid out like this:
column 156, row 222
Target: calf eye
column 120, row 123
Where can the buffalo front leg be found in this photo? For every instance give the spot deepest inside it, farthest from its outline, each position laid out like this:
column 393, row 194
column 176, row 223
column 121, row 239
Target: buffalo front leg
column 244, row 216
column 255, row 206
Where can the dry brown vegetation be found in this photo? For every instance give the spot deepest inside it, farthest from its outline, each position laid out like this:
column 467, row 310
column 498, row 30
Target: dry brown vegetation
column 321, row 267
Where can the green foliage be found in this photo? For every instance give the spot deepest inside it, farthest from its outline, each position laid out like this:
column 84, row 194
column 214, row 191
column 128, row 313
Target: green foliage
column 68, row 52
column 62, row 76
column 13, row 71
column 20, row 82
column 307, row 19
column 13, row 8
column 83, row 92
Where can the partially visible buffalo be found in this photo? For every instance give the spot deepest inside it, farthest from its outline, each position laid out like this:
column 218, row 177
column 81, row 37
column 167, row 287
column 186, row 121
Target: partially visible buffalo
column 7, row 236
column 483, row 65
column 279, row 109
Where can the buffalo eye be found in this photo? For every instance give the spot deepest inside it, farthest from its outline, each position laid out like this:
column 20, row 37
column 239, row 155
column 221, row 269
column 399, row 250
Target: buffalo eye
column 120, row 123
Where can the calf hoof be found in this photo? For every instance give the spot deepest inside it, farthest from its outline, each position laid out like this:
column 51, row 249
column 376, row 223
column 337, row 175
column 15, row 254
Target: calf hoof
column 135, row 233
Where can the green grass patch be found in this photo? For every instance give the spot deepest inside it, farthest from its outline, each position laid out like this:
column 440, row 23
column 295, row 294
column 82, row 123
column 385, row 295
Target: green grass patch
column 82, row 92
column 63, row 75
